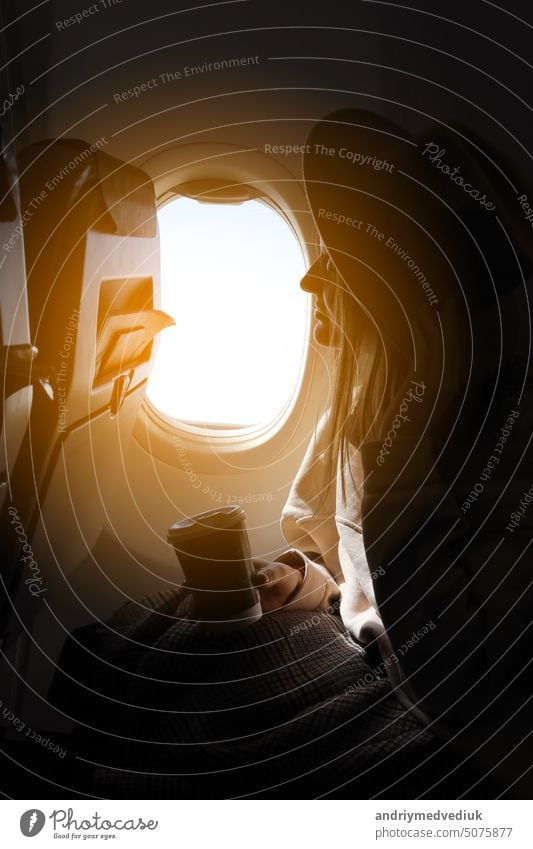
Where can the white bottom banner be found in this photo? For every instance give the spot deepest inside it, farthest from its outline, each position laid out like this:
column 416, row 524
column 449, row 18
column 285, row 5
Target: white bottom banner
column 309, row 824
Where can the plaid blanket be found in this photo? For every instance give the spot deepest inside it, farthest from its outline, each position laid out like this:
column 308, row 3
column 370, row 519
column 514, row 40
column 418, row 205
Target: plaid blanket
column 291, row 706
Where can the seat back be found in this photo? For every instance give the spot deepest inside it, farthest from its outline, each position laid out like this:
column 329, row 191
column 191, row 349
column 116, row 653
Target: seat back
column 92, row 258
column 17, row 355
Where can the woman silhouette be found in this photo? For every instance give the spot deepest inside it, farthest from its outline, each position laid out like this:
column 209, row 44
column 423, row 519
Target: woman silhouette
column 413, row 497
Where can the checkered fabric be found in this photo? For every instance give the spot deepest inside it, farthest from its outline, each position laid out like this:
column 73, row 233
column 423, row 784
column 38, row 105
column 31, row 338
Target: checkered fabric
column 288, row 707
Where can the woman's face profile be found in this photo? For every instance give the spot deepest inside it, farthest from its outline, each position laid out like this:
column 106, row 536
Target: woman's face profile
column 319, row 282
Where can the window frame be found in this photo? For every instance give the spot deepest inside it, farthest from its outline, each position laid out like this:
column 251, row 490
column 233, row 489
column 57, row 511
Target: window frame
column 221, row 450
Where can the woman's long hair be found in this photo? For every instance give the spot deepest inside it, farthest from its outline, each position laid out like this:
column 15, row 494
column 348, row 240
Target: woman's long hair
column 366, row 376
column 489, row 252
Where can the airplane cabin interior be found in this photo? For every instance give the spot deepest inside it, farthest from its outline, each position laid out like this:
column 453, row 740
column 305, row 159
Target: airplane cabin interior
column 159, row 363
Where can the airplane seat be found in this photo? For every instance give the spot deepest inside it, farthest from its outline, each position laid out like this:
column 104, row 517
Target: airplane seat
column 22, row 382
column 92, row 259
column 17, row 357
column 17, row 350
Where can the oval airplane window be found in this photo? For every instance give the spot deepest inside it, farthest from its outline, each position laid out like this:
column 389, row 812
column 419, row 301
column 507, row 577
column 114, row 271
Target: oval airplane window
column 230, row 278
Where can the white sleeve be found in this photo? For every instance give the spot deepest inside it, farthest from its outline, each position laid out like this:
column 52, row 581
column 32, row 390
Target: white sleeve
column 318, row 589
column 308, row 518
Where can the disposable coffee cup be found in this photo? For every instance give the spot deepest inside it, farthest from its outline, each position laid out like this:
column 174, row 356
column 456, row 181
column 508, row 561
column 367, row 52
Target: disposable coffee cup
column 214, row 552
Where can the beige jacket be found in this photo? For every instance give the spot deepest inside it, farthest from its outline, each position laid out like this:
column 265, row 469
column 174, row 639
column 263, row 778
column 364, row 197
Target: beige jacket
column 317, row 520
column 452, row 576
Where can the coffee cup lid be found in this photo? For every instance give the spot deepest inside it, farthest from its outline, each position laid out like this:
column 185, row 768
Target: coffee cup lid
column 221, row 518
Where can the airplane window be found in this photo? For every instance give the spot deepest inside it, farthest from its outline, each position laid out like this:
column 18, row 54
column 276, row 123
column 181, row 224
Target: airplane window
column 229, row 277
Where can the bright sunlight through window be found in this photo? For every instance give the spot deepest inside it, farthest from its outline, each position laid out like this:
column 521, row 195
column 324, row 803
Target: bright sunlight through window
column 230, row 276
